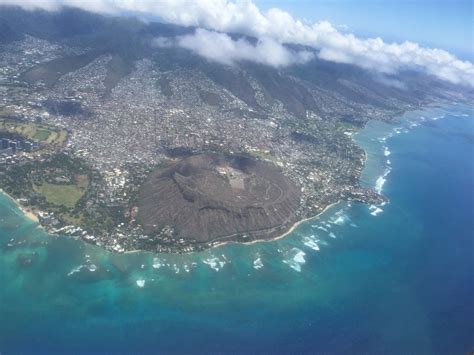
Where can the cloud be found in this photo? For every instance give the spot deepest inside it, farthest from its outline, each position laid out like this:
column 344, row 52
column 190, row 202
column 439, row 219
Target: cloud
column 101, row 6
column 33, row 4
column 221, row 48
column 389, row 81
column 272, row 29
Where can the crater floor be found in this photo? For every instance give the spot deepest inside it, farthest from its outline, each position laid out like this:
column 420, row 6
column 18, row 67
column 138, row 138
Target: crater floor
column 211, row 197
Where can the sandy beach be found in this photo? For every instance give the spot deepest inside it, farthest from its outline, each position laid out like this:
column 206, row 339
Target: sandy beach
column 28, row 212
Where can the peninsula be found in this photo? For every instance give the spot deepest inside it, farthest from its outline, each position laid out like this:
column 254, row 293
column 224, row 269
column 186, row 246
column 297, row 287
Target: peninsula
column 133, row 146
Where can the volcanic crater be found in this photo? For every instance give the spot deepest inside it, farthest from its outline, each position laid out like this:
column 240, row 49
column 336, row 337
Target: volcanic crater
column 216, row 197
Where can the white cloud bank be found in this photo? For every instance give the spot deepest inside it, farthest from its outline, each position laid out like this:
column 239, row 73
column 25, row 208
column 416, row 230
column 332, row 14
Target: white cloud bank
column 272, row 29
column 221, row 48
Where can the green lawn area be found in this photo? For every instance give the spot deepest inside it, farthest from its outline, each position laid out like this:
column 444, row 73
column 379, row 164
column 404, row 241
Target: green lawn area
column 61, row 195
column 34, row 131
column 41, row 135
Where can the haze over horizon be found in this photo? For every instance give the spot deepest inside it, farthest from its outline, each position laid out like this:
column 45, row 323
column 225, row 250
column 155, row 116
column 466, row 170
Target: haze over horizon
column 273, row 27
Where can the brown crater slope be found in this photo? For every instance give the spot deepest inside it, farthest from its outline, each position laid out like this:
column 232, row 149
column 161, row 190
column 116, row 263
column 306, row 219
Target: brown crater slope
column 211, row 197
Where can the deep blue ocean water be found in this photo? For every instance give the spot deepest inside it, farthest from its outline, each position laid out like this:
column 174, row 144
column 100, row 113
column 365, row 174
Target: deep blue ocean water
column 392, row 279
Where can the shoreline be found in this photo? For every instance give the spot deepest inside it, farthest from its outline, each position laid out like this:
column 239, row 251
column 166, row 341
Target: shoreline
column 289, row 231
column 28, row 212
column 31, row 215
column 221, row 244
column 396, row 119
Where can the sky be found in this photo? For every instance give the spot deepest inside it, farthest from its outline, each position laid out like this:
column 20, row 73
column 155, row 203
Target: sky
column 447, row 24
column 384, row 36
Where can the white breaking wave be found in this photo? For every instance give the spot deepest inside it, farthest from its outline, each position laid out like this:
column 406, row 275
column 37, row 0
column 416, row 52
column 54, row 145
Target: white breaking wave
column 311, row 242
column 157, row 263
column 374, row 210
column 257, row 263
column 214, row 263
column 140, row 283
column 295, row 259
column 76, row 270
column 189, row 267
column 379, row 184
column 381, row 180
column 332, row 235
column 386, row 152
column 175, row 268
column 339, row 218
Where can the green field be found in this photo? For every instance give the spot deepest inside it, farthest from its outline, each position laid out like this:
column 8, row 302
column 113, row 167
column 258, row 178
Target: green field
column 41, row 135
column 33, row 131
column 61, row 195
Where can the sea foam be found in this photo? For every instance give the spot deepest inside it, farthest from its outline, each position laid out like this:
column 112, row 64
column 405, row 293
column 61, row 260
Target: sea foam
column 140, row 283
column 295, row 259
column 339, row 218
column 257, row 263
column 214, row 263
column 375, row 210
column 379, row 184
column 175, row 268
column 188, row 267
column 381, row 180
column 157, row 263
column 76, row 270
column 311, row 242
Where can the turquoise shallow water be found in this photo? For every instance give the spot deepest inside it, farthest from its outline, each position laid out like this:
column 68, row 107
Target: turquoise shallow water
column 391, row 279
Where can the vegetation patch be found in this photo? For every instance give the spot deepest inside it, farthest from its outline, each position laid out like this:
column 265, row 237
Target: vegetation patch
column 34, row 131
column 61, row 195
column 51, row 71
column 41, row 135
column 264, row 155
column 59, row 184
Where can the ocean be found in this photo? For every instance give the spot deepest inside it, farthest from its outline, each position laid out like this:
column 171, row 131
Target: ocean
column 391, row 279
